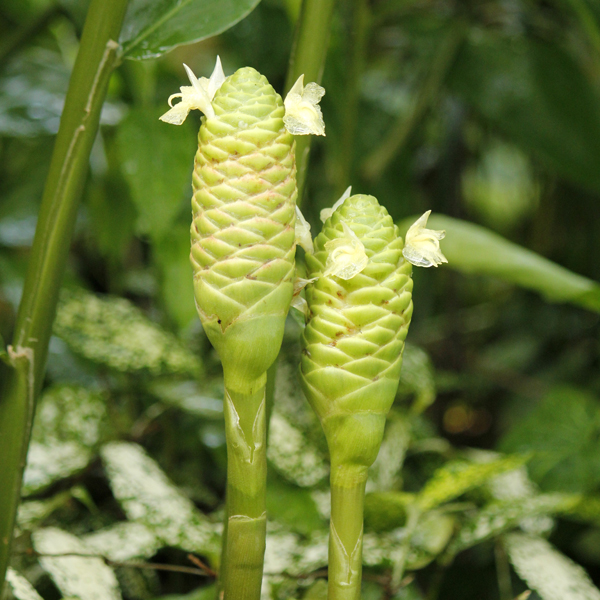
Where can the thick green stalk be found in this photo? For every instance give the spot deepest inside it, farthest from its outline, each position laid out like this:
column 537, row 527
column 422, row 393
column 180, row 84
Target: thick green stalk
column 246, row 519
column 95, row 62
column 348, row 483
column 309, row 51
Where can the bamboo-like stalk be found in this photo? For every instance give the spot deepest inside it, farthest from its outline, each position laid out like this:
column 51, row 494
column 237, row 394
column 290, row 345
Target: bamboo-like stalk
column 246, row 520
column 348, row 483
column 95, row 62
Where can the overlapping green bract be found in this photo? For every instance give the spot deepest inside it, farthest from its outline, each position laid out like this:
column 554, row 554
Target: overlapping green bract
column 354, row 337
column 242, row 232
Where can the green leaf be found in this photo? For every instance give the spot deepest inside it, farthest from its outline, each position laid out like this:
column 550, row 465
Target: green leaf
column 386, row 472
column 292, row 454
column 153, row 27
column 123, row 541
column 563, row 433
column 147, row 496
column 70, row 423
column 499, row 517
column 456, row 478
column 385, row 511
column 293, row 507
column 157, row 161
column 474, row 250
column 430, row 537
column 537, row 95
column 113, row 332
column 21, row 588
column 172, row 255
column 75, row 576
column 190, row 397
column 551, row 574
column 417, row 377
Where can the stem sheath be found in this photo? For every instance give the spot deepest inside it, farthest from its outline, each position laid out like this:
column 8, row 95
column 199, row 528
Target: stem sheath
column 97, row 57
column 245, row 521
column 346, row 531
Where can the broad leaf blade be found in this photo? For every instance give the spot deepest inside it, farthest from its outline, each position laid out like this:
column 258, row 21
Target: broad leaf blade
column 75, row 576
column 456, row 478
column 475, row 250
column 147, row 496
column 499, row 517
column 153, row 27
column 551, row 574
column 113, row 332
column 562, row 432
column 20, row 587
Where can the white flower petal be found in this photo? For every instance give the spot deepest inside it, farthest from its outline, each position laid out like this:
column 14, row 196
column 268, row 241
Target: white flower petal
column 197, row 96
column 327, row 212
column 216, row 79
column 176, row 115
column 303, row 236
column 302, row 112
column 422, row 246
column 347, row 256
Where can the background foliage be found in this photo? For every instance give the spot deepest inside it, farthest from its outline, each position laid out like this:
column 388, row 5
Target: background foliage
column 488, row 113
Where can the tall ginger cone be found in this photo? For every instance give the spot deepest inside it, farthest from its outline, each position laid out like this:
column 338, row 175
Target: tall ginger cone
column 243, row 247
column 359, row 311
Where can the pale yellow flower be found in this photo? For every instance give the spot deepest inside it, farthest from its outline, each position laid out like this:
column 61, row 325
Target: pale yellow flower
column 302, row 112
column 327, row 212
column 347, row 256
column 197, row 96
column 422, row 246
column 303, row 237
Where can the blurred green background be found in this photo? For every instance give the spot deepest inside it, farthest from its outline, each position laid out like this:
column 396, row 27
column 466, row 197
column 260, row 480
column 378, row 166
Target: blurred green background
column 483, row 111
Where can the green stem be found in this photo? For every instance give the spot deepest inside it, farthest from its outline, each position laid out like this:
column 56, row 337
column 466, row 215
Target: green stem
column 346, row 531
column 245, row 531
column 95, row 62
column 309, row 51
column 378, row 161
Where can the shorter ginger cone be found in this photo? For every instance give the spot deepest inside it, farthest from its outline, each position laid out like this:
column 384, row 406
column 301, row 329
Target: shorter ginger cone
column 359, row 310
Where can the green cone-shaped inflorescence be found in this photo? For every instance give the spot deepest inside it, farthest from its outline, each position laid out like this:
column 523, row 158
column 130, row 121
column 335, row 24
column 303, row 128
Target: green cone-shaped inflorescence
column 354, row 337
column 352, row 354
column 242, row 232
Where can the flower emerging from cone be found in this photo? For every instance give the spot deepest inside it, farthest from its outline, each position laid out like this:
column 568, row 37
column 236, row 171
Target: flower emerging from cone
column 422, row 246
column 197, row 96
column 302, row 112
column 347, row 256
